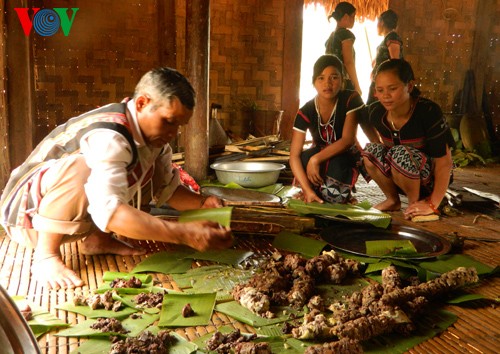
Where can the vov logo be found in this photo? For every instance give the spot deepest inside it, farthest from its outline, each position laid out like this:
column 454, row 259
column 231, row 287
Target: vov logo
column 46, row 22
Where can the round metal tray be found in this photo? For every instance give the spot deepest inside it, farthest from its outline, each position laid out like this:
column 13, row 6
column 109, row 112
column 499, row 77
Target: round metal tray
column 352, row 239
column 15, row 334
column 236, row 196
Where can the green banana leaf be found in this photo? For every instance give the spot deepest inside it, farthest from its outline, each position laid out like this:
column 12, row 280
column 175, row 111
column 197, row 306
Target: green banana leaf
column 89, row 313
column 448, row 262
column 166, row 262
column 428, row 326
column 289, row 241
column 235, row 310
column 352, row 212
column 103, row 346
column 41, row 320
column 214, row 278
column 461, row 297
column 229, row 256
column 220, row 215
column 338, row 293
column 376, row 267
column 146, row 279
column 134, row 326
column 171, row 313
column 388, row 248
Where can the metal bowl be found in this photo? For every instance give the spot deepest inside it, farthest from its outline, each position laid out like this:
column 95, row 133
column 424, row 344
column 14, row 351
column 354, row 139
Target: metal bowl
column 248, row 174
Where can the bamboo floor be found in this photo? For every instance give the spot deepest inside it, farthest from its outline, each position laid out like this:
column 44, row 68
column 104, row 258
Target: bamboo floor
column 477, row 329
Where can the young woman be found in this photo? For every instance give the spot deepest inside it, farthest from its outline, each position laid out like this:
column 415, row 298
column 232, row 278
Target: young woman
column 391, row 46
column 341, row 42
column 412, row 154
column 328, row 170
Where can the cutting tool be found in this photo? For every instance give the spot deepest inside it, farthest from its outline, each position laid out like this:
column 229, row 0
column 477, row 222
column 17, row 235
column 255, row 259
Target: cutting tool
column 491, row 196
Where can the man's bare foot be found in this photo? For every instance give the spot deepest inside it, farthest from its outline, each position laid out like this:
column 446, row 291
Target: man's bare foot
column 100, row 242
column 50, row 270
column 389, row 205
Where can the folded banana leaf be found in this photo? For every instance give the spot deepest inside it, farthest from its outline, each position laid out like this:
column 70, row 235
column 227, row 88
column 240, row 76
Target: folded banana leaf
column 233, row 257
column 41, row 320
column 173, row 304
column 352, row 212
column 448, row 262
column 235, row 310
column 165, row 262
column 461, row 297
column 146, row 279
column 289, row 241
column 428, row 326
column 388, row 248
column 220, row 215
column 103, row 345
column 89, row 313
column 134, row 326
column 217, row 278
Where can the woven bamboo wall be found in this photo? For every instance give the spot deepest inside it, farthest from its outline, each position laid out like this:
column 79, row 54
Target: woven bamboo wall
column 438, row 39
column 110, row 46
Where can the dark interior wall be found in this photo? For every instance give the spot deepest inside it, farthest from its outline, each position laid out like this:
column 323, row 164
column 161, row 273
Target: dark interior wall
column 439, row 40
column 110, row 46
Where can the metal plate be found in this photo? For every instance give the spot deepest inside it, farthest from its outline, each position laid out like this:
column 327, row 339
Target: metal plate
column 352, row 239
column 15, row 334
column 236, row 196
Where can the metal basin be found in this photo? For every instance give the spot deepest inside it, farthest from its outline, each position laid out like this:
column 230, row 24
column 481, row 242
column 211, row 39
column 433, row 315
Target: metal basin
column 248, row 174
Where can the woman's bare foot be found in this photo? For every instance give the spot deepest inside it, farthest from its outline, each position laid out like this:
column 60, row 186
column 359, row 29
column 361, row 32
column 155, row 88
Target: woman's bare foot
column 100, row 242
column 389, row 205
column 50, row 270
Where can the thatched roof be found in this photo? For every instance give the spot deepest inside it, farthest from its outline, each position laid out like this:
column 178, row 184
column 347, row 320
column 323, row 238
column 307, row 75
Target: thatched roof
column 365, row 9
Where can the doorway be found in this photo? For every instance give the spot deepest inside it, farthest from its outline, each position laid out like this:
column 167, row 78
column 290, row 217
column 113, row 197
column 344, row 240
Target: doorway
column 315, row 31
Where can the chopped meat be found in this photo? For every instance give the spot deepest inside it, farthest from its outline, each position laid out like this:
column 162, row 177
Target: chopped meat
column 109, row 325
column 98, row 301
column 252, row 348
column 149, row 300
column 133, row 282
column 343, row 346
column 225, row 343
column 187, row 311
column 146, row 342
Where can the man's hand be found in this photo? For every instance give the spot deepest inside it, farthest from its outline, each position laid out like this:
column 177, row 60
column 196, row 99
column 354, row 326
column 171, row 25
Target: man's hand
column 205, row 235
column 211, row 202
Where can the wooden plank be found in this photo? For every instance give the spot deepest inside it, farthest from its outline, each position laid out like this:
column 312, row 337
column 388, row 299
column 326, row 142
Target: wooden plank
column 166, row 32
column 4, row 117
column 292, row 57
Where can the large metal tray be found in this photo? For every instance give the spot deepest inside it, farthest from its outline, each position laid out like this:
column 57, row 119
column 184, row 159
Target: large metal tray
column 352, row 239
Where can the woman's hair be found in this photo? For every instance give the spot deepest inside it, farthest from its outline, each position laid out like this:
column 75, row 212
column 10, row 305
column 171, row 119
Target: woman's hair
column 163, row 84
column 325, row 61
column 342, row 9
column 389, row 19
column 402, row 69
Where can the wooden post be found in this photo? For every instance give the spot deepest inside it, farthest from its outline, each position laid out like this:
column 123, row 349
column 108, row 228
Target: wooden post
column 20, row 85
column 292, row 57
column 197, row 56
column 4, row 132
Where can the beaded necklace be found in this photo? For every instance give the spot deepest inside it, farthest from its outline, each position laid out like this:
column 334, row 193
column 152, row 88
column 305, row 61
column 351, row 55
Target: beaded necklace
column 328, row 125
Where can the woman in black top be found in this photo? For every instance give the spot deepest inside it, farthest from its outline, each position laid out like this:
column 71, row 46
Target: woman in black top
column 410, row 143
column 391, row 46
column 341, row 42
column 329, row 170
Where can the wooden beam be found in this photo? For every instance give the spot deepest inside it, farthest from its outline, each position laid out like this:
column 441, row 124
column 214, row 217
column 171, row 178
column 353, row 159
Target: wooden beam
column 292, row 57
column 197, row 54
column 4, row 117
column 20, row 85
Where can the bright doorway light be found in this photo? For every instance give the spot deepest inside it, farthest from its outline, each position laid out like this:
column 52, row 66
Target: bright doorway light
column 315, row 32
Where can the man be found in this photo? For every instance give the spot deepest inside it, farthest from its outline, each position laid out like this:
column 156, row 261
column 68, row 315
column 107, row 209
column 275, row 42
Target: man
column 80, row 182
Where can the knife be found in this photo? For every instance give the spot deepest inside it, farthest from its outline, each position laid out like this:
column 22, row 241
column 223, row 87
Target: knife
column 491, row 196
